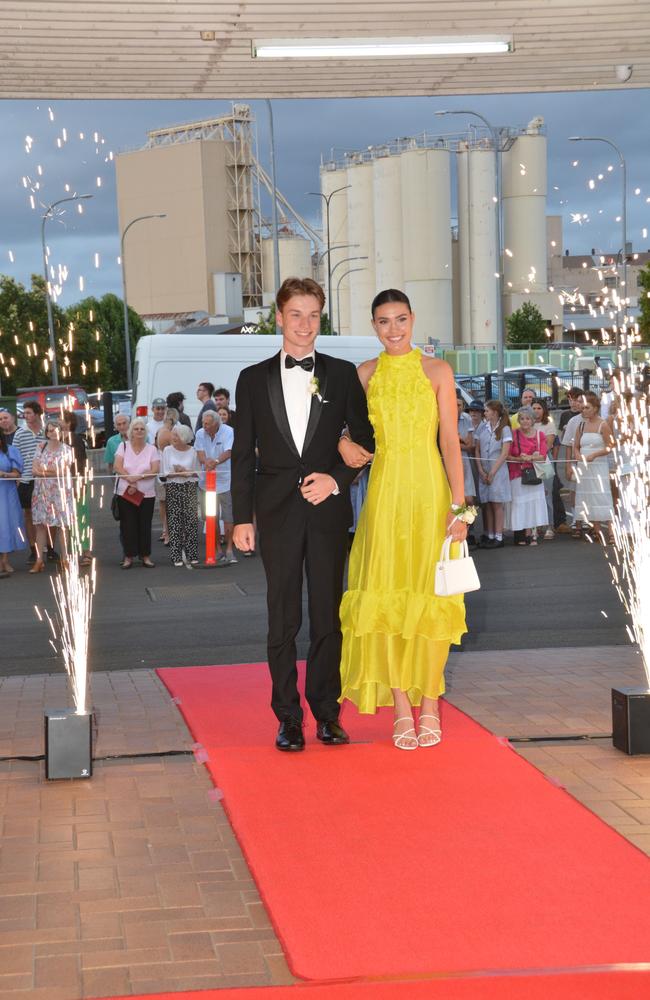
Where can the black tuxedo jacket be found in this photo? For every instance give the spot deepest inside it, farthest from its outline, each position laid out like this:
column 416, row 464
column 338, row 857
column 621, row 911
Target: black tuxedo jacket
column 269, row 485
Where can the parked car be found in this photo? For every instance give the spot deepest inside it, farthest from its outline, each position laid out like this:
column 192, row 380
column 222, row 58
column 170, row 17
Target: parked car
column 546, row 381
column 56, row 398
column 463, row 391
column 121, row 401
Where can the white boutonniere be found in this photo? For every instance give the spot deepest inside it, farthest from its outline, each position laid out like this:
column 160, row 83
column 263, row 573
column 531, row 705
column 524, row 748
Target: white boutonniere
column 314, row 389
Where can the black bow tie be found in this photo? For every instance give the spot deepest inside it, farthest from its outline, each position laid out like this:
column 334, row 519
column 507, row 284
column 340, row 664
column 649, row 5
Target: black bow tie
column 307, row 364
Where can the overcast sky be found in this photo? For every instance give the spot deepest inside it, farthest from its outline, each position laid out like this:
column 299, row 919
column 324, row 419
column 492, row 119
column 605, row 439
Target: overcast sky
column 304, row 130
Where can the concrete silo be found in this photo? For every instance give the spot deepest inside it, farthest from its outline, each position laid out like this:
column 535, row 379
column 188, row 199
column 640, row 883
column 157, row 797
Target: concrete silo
column 361, row 229
column 524, row 192
column 387, row 198
column 330, row 180
column 295, row 260
column 426, row 240
column 479, row 288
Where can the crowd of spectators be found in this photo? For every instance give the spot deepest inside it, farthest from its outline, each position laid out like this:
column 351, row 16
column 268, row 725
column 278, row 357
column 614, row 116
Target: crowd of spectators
column 536, row 478
column 532, row 475
column 166, row 459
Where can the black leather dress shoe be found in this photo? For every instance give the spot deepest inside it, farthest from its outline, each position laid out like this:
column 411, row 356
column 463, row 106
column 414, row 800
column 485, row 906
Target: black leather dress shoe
column 331, row 733
column 290, row 735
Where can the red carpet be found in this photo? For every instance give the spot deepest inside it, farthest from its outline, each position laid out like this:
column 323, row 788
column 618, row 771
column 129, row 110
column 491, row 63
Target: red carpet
column 588, row 986
column 375, row 863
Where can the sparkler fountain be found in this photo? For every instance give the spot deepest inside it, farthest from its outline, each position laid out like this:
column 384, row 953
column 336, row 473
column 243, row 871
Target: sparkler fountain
column 68, row 732
column 629, row 560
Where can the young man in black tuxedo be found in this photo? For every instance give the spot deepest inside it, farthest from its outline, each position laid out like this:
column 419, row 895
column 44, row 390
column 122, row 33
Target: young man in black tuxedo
column 293, row 409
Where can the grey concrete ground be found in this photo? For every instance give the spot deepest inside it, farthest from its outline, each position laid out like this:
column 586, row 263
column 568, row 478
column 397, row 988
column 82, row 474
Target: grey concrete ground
column 552, row 595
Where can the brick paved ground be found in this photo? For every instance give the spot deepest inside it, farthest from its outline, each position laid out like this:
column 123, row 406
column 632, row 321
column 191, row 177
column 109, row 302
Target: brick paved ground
column 133, row 882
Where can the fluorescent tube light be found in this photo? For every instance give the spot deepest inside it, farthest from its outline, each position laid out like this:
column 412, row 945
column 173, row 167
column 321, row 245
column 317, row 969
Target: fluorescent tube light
column 378, row 48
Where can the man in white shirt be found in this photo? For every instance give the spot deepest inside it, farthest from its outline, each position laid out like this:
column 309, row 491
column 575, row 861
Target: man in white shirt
column 213, row 445
column 565, row 464
column 615, row 382
column 157, row 419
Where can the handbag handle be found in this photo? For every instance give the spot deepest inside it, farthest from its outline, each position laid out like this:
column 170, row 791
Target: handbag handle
column 445, row 551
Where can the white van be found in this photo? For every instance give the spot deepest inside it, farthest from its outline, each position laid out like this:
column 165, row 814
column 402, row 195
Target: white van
column 169, row 362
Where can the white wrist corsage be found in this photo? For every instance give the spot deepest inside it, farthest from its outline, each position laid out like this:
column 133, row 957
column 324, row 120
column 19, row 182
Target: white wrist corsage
column 314, row 389
column 464, row 512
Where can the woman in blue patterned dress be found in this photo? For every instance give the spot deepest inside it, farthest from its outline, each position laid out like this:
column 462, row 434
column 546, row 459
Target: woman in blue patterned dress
column 12, row 523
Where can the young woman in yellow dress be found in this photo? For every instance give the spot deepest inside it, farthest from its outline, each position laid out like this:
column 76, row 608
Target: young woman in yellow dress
column 396, row 632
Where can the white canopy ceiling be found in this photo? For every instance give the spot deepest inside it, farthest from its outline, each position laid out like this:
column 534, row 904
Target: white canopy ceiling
column 153, row 48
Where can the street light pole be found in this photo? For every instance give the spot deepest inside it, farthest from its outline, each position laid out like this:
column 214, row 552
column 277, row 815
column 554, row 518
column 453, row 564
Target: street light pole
column 46, row 275
column 621, row 339
column 127, row 338
column 337, row 246
column 338, row 295
column 496, row 142
column 274, row 206
column 327, row 198
column 338, row 306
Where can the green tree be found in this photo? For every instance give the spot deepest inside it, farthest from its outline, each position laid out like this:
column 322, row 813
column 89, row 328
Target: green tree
column 526, row 326
column 266, row 324
column 86, row 354
column 644, row 304
column 98, row 357
column 24, row 340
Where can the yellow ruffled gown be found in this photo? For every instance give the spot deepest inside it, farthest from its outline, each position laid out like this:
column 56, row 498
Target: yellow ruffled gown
column 396, row 632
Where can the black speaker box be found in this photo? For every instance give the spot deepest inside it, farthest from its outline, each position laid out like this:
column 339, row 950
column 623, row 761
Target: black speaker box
column 631, row 720
column 68, row 744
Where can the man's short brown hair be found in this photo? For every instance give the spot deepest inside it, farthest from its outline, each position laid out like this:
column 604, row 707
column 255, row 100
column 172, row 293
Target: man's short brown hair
column 298, row 286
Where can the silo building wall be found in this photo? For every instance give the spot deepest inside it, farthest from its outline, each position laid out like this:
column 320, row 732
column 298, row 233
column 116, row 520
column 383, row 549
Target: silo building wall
column 477, row 240
column 426, row 240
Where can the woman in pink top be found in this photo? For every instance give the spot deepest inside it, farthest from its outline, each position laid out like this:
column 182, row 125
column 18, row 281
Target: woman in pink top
column 136, row 465
column 528, row 508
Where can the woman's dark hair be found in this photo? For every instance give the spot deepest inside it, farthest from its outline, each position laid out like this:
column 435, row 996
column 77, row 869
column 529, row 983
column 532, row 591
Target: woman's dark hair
column 3, row 442
column 389, row 295
column 70, row 419
column 545, row 411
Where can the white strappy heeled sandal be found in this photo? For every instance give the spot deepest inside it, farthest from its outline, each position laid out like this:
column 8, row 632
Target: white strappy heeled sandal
column 404, row 741
column 425, row 733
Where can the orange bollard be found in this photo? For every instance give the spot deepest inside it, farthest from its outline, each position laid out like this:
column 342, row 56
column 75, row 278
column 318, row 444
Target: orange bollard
column 211, row 517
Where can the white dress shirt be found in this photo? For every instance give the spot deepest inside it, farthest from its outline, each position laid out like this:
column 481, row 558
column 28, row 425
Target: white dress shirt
column 297, row 398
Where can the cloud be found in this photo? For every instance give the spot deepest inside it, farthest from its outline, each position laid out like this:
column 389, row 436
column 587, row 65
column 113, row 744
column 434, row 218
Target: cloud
column 305, row 131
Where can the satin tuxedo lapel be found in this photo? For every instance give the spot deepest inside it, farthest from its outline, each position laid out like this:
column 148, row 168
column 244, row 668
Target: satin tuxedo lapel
column 320, row 372
column 276, row 399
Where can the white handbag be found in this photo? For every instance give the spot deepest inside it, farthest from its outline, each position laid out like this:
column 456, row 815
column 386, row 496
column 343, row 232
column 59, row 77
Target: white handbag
column 455, row 576
column 545, row 470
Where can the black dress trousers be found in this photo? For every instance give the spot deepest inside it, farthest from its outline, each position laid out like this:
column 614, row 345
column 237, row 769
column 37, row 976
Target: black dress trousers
column 290, row 553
